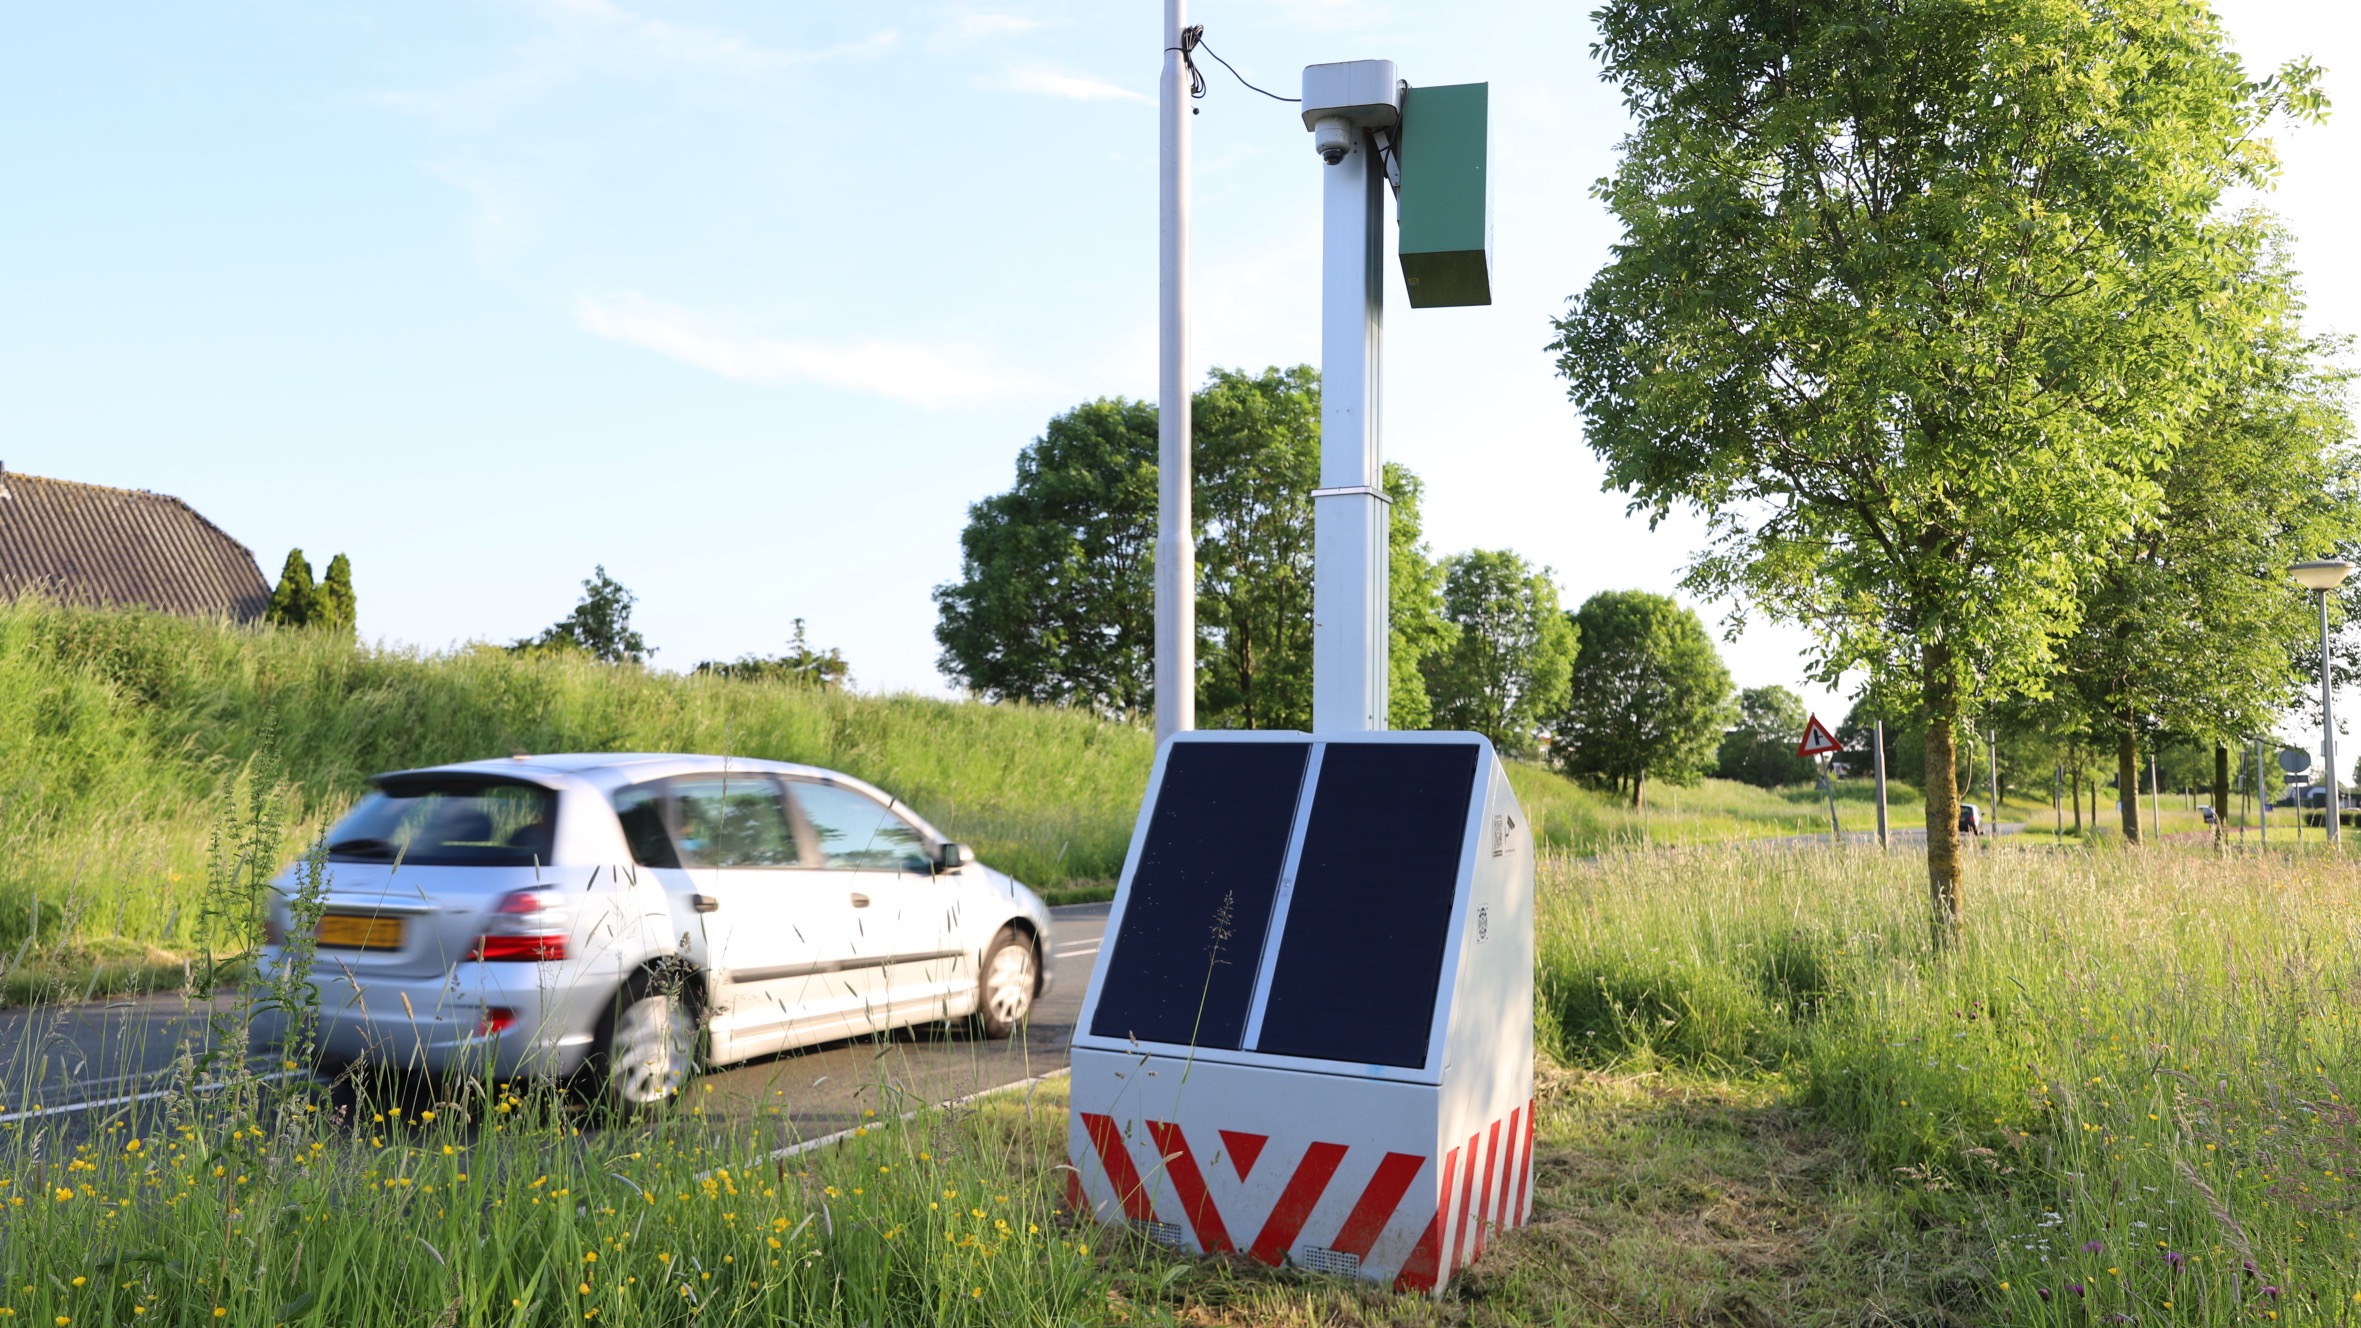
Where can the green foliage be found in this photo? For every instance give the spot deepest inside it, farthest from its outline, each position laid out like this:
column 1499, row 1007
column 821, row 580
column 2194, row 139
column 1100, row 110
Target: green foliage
column 1056, row 598
column 118, row 728
column 1257, row 451
column 599, row 627
column 1649, row 694
column 2192, row 625
column 338, row 609
column 1760, row 748
column 295, row 600
column 1415, row 589
column 1915, row 304
column 1505, row 672
column 801, row 664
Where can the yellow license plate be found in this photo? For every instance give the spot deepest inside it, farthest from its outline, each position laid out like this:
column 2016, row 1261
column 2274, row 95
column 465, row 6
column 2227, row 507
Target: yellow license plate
column 354, row 931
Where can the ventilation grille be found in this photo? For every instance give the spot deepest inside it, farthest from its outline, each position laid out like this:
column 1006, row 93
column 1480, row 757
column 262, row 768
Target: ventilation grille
column 1320, row 1259
column 1163, row 1233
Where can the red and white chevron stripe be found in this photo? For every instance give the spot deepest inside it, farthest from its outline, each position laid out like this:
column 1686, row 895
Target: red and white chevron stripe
column 1492, row 1172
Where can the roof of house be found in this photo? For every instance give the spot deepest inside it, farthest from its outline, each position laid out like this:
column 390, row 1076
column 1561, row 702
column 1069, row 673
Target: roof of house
column 88, row 544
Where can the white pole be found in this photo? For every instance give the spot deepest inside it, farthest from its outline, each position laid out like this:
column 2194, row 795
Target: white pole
column 1176, row 545
column 1350, row 514
column 2336, row 814
column 1882, row 840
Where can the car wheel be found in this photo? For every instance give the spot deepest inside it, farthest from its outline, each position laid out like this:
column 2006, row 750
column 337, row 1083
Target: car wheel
column 648, row 1047
column 1005, row 991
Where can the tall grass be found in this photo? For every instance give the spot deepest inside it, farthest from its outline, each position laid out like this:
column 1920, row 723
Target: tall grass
column 117, row 730
column 1568, row 816
column 2133, row 1071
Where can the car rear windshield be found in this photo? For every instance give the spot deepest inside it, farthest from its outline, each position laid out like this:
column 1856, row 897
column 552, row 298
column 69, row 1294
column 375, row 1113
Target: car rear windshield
column 450, row 822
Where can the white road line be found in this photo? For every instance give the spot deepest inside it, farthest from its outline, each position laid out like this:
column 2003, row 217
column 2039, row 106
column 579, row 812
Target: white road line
column 1065, row 950
column 825, row 1140
column 94, row 1104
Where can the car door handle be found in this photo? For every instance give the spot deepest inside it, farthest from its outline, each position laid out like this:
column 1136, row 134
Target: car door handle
column 860, row 900
column 704, row 903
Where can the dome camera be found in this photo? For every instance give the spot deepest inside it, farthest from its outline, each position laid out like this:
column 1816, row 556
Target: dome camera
column 1332, row 138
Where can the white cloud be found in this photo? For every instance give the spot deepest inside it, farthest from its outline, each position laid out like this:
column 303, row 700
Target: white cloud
column 971, row 28
column 930, row 376
column 578, row 38
column 1073, row 87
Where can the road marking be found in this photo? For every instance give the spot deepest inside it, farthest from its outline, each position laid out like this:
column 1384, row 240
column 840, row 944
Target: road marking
column 1091, row 948
column 94, row 1104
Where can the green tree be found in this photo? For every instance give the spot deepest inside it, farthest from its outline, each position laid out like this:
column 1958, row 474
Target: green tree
column 1760, row 747
column 1650, row 695
column 338, row 609
column 295, row 600
column 1505, row 672
column 1257, row 449
column 2191, row 625
column 600, row 626
column 1414, row 588
column 1056, row 598
column 803, row 664
column 1912, row 303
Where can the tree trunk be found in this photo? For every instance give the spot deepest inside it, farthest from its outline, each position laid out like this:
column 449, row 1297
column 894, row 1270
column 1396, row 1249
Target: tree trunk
column 2077, row 795
column 1636, row 780
column 2221, row 796
column 1942, row 794
column 2127, row 778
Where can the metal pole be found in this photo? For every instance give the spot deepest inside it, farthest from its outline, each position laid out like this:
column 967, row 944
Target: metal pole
column 1176, row 544
column 1836, row 832
column 2262, row 800
column 1349, row 512
column 2155, row 799
column 1883, row 841
column 1993, row 752
column 2328, row 728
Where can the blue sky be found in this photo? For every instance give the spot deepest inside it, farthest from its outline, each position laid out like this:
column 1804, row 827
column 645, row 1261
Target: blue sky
column 749, row 301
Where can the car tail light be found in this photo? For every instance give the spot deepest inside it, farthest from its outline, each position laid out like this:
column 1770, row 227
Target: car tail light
column 496, row 1019
column 527, row 927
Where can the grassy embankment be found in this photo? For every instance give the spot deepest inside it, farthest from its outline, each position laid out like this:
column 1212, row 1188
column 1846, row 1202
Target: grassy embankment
column 119, row 730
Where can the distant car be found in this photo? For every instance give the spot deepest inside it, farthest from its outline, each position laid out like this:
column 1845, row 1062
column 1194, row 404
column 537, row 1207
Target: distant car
column 1971, row 819
column 617, row 918
column 2206, row 811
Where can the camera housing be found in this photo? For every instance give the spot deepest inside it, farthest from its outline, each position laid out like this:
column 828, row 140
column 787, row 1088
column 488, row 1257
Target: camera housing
column 1332, row 138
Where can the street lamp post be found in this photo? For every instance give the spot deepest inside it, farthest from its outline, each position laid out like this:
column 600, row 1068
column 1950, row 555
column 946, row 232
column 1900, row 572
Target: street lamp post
column 2320, row 577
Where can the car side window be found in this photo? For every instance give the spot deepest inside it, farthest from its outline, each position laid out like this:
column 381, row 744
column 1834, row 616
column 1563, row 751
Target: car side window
column 641, row 810
column 732, row 821
column 857, row 833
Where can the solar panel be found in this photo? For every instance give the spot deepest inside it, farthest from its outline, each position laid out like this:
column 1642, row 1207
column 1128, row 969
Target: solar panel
column 1358, row 968
column 1182, row 966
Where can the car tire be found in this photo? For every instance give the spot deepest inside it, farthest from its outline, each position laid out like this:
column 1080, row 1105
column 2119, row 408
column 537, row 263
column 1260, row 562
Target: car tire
column 1005, row 987
column 647, row 1047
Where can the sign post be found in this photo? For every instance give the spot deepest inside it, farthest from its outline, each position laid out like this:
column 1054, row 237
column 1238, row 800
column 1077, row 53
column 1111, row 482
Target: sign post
column 1879, row 730
column 1818, row 742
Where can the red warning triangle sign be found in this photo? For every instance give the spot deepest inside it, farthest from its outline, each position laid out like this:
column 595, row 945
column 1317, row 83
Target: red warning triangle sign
column 1818, row 741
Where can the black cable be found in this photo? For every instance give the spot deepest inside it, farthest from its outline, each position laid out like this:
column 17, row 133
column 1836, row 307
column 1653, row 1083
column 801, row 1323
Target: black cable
column 1235, row 74
column 1193, row 37
column 1190, row 36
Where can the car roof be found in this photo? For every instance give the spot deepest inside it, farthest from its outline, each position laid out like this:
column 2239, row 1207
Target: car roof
column 608, row 771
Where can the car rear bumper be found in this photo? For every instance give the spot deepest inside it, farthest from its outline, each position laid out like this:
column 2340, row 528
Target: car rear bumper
column 451, row 1025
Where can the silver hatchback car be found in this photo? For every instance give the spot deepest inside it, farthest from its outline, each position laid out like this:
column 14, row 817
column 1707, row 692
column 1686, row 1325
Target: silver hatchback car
column 621, row 917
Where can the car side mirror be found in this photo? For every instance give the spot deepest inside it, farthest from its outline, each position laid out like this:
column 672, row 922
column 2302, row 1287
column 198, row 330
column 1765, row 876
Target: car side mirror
column 951, row 857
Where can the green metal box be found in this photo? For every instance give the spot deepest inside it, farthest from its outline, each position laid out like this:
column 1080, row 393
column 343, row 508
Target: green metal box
column 1445, row 202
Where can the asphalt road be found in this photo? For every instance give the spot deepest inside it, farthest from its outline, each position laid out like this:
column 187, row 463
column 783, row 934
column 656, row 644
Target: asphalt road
column 74, row 1064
